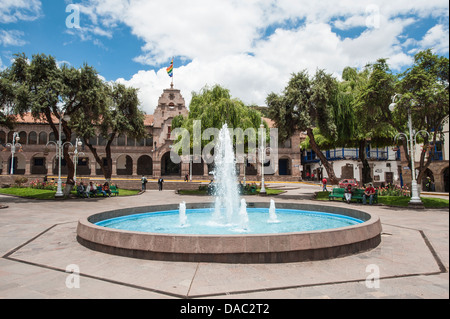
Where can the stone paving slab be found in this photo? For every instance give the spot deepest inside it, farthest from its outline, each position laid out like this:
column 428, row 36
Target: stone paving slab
column 38, row 242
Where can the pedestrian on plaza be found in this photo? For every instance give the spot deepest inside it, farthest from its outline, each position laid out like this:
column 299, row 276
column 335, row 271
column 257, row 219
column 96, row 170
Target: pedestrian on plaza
column 160, row 183
column 307, row 176
column 324, row 183
column 144, row 183
column 369, row 192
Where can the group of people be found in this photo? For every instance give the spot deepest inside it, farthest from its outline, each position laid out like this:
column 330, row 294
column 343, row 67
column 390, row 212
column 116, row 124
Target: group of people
column 92, row 189
column 369, row 192
column 144, row 182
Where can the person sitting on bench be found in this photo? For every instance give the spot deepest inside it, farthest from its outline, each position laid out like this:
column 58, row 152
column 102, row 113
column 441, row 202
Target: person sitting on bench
column 369, row 192
column 348, row 193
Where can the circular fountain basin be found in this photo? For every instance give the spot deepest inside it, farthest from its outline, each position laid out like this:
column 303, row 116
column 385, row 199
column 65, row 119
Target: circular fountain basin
column 359, row 231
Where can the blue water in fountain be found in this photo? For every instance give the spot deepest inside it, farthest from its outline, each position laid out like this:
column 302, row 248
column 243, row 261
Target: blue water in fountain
column 201, row 223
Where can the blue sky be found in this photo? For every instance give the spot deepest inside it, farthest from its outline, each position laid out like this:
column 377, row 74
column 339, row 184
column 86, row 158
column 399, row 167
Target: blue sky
column 250, row 47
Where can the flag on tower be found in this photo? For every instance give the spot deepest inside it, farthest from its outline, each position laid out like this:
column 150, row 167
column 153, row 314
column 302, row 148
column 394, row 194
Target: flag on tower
column 170, row 69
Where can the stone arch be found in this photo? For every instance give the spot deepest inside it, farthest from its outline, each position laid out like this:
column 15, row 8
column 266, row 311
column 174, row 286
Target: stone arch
column 169, row 168
column 198, row 168
column 428, row 173
column 145, row 165
column 285, row 166
column 2, row 137
column 445, row 176
column 19, row 164
column 124, row 165
column 38, row 164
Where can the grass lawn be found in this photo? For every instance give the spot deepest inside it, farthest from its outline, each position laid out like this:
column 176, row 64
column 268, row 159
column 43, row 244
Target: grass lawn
column 49, row 194
column 428, row 202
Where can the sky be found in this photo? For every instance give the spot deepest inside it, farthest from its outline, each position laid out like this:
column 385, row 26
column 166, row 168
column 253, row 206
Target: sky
column 251, row 47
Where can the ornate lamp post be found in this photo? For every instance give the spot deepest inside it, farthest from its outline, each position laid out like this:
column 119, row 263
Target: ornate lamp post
column 415, row 198
column 59, row 150
column 75, row 157
column 15, row 143
column 263, row 151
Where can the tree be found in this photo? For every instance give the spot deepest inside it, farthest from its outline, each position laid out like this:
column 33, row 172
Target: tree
column 304, row 105
column 49, row 92
column 214, row 107
column 118, row 114
column 425, row 93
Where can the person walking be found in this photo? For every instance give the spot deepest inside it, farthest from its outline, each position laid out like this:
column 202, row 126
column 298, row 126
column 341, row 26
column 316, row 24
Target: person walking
column 144, row 183
column 160, row 183
column 324, row 184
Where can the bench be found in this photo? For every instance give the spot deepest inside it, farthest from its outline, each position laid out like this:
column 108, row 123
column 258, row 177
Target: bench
column 337, row 193
column 114, row 190
column 357, row 194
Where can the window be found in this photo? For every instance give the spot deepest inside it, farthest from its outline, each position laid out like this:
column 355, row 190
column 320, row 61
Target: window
column 32, row 138
column 121, row 140
column 42, row 138
column 287, row 143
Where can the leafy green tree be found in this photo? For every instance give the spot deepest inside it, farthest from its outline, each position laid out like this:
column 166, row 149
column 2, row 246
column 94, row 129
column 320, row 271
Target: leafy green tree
column 213, row 107
column 425, row 93
column 119, row 113
column 306, row 103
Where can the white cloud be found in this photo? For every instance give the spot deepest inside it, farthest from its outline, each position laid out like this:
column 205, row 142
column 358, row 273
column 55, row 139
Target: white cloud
column 225, row 43
column 11, row 38
column 16, row 10
column 436, row 38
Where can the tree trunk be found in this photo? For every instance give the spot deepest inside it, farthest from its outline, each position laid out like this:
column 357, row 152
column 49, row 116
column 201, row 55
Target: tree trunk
column 365, row 178
column 329, row 168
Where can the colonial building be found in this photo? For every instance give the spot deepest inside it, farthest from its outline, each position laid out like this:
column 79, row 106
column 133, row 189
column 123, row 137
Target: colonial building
column 131, row 158
column 387, row 164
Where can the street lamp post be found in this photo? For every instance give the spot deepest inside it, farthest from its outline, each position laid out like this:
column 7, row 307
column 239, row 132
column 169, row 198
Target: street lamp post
column 415, row 198
column 59, row 149
column 15, row 143
column 263, row 151
column 75, row 157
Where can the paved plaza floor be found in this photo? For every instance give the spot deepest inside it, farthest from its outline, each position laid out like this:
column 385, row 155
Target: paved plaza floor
column 39, row 252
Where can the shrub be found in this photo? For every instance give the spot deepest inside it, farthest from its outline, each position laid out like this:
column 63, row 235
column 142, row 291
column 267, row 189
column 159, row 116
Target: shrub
column 393, row 190
column 20, row 180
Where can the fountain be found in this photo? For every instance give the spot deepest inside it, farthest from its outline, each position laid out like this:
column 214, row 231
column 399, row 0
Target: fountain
column 226, row 187
column 182, row 214
column 272, row 213
column 229, row 229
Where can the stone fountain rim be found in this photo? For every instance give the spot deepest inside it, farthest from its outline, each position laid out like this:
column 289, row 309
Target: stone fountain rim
column 243, row 248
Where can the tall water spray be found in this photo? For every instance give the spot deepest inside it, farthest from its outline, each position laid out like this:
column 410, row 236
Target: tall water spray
column 182, row 214
column 272, row 214
column 226, row 186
